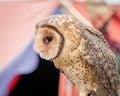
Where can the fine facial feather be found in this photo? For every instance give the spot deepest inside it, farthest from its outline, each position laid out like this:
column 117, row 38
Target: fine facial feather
column 81, row 53
column 44, row 38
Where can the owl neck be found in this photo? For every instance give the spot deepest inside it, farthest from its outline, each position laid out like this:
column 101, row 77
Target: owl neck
column 66, row 59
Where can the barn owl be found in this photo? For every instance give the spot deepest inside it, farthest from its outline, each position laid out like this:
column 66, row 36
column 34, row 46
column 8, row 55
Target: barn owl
column 80, row 52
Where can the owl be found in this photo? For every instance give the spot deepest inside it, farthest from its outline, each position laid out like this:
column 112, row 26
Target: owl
column 80, row 52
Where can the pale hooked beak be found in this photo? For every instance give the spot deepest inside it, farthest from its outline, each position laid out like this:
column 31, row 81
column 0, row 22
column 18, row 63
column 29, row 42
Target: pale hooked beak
column 38, row 50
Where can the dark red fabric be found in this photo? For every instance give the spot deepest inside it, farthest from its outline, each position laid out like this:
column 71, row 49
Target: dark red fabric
column 13, row 82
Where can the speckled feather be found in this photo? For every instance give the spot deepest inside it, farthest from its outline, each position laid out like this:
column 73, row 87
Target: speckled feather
column 88, row 62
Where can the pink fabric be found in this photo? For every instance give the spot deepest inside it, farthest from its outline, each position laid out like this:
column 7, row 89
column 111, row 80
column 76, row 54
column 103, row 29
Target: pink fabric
column 62, row 85
column 66, row 88
column 17, row 25
column 114, row 26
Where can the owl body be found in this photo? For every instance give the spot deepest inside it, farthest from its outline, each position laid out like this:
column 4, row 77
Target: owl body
column 80, row 52
column 79, row 74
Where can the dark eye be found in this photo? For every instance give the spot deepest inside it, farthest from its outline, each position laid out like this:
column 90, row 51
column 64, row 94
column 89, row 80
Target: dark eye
column 47, row 39
column 91, row 93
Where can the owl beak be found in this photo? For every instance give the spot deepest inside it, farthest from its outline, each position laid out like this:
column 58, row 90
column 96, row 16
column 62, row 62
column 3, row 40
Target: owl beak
column 37, row 50
column 41, row 51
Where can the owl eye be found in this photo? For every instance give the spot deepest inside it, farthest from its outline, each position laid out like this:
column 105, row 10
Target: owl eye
column 92, row 93
column 89, row 94
column 47, row 39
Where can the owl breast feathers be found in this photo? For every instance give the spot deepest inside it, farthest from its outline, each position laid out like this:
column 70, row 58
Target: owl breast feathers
column 80, row 52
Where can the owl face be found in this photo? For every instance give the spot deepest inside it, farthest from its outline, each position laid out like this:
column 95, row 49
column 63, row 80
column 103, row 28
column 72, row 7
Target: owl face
column 47, row 42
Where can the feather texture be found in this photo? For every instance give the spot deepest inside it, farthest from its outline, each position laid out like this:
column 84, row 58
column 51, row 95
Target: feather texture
column 80, row 52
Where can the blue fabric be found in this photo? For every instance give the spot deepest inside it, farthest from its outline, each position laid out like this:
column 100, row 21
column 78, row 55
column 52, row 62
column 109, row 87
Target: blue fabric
column 24, row 63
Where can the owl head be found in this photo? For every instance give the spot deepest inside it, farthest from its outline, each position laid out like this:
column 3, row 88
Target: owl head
column 48, row 42
column 55, row 35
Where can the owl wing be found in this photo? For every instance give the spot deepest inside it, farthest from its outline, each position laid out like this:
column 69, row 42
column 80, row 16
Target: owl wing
column 96, row 52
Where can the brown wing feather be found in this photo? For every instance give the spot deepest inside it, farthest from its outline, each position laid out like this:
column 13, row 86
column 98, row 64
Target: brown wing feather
column 96, row 52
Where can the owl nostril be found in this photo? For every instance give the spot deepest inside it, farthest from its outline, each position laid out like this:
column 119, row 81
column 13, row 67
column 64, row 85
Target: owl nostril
column 47, row 39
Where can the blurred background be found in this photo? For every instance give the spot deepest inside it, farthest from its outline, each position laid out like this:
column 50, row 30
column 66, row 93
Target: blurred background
column 22, row 71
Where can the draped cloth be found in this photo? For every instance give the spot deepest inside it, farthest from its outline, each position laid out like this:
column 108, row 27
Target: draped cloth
column 17, row 24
